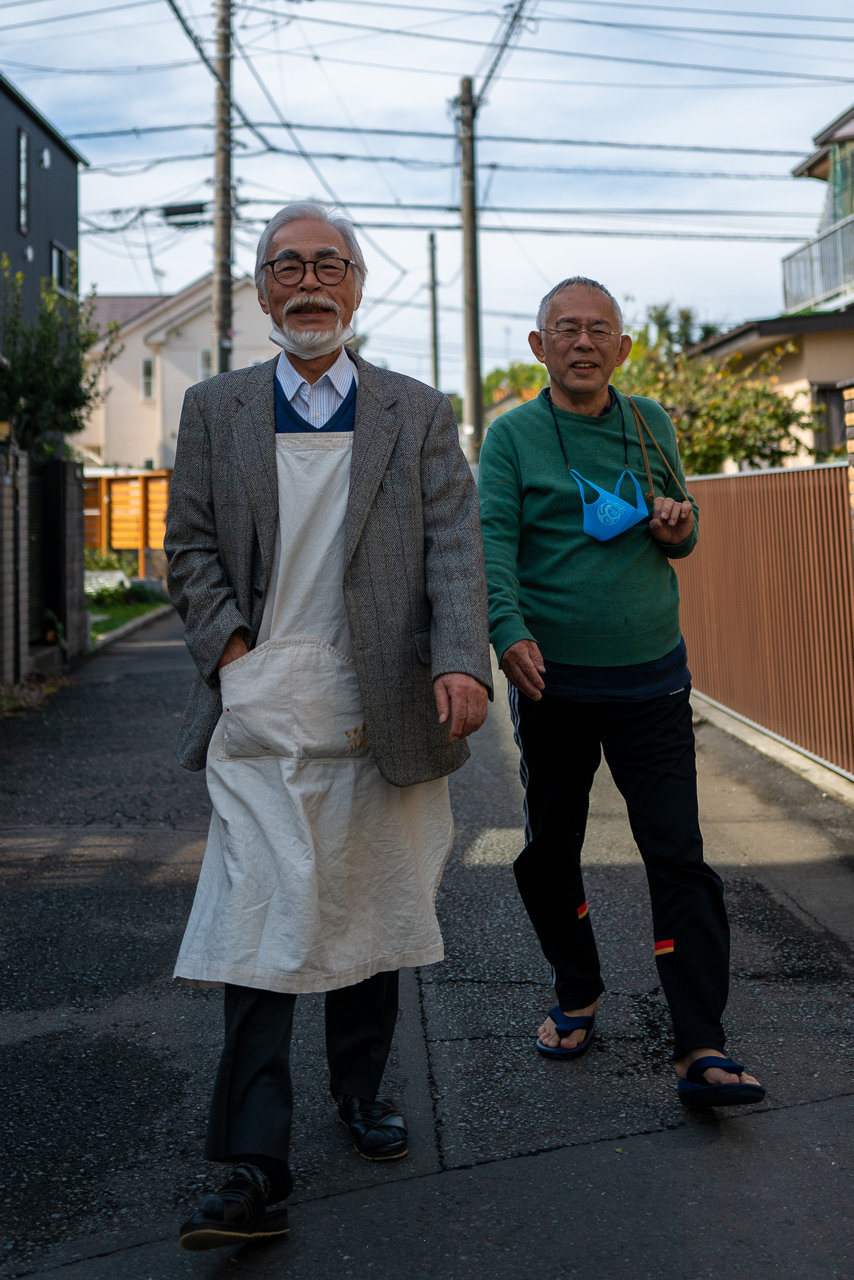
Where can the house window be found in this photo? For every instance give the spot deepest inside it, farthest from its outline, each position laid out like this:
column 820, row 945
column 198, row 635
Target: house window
column 146, row 378
column 830, row 435
column 23, row 182
column 60, row 269
column 205, row 363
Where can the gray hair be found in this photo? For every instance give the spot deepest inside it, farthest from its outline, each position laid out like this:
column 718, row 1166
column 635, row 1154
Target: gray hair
column 575, row 282
column 295, row 212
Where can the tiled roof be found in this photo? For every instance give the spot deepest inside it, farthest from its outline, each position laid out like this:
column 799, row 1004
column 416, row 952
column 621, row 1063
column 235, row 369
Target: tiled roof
column 121, row 307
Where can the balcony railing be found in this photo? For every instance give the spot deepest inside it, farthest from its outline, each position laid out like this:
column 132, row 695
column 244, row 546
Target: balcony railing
column 821, row 269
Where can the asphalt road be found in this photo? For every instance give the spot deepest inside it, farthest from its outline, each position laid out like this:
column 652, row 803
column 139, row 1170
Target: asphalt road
column 518, row 1167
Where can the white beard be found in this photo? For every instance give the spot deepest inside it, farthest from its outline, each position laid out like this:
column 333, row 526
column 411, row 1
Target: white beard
column 309, row 343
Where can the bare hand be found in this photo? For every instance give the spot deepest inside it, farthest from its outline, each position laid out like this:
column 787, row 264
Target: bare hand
column 522, row 664
column 234, row 649
column 672, row 522
column 463, row 700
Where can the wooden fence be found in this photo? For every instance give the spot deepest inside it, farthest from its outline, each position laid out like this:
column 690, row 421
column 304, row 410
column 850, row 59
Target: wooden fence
column 768, row 604
column 127, row 512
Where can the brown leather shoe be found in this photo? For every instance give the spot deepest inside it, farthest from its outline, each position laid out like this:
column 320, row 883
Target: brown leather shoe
column 236, row 1213
column 378, row 1129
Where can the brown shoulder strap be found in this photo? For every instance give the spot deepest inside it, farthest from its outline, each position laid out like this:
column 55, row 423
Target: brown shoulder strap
column 640, row 423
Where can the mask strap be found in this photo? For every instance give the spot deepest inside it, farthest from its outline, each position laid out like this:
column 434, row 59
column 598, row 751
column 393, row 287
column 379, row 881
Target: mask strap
column 639, row 422
column 548, row 400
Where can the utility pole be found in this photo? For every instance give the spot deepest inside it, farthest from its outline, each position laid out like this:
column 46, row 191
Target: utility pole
column 222, row 317
column 473, row 397
column 434, row 313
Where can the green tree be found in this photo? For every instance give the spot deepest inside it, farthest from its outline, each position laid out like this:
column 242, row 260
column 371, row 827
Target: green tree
column 675, row 331
column 55, row 364
column 519, row 379
column 721, row 409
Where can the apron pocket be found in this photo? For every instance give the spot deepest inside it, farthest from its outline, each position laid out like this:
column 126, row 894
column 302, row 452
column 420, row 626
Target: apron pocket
column 295, row 697
column 237, row 741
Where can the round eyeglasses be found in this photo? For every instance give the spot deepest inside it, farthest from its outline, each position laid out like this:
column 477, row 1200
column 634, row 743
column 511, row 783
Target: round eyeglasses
column 598, row 332
column 329, row 270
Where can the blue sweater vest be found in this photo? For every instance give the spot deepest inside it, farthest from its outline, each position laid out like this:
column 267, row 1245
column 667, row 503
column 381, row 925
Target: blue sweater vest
column 287, row 418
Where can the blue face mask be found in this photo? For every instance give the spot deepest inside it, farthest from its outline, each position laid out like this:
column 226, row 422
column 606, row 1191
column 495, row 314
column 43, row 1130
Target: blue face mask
column 608, row 514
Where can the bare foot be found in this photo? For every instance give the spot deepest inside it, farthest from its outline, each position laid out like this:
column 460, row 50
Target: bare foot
column 548, row 1036
column 712, row 1075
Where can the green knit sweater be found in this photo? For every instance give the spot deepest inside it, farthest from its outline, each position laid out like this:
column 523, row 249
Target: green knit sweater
column 598, row 604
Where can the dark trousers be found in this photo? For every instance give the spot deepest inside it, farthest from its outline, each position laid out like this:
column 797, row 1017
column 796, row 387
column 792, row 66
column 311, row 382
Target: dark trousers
column 649, row 747
column 252, row 1105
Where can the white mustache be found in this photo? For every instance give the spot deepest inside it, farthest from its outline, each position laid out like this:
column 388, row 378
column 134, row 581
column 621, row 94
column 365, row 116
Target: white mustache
column 311, row 304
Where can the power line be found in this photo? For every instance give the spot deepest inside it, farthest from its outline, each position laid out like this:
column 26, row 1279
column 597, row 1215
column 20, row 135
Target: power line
column 545, row 81
column 512, row 29
column 197, row 45
column 451, row 137
column 636, row 26
column 633, row 233
column 622, row 211
column 562, row 211
column 305, row 155
column 701, row 31
column 130, row 69
column 81, row 13
column 724, row 13
column 418, row 162
column 564, row 53
column 468, row 13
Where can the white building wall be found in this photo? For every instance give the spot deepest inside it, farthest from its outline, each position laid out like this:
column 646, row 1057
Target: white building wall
column 130, row 431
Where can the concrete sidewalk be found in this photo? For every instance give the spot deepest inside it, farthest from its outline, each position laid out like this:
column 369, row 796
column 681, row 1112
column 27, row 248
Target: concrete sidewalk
column 518, row 1167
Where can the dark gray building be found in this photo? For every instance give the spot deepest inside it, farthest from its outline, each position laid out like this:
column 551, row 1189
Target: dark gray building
column 38, row 194
column 43, row 618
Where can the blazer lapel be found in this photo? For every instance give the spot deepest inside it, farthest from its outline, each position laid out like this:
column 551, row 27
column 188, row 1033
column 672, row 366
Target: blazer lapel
column 374, row 436
column 254, row 427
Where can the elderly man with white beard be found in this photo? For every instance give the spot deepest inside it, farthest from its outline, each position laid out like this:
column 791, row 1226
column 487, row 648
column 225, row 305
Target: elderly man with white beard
column 325, row 555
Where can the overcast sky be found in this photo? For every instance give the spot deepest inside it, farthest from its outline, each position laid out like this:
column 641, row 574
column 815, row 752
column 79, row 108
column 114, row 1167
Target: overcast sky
column 578, row 82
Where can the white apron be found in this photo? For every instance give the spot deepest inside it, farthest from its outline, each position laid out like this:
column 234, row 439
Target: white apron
column 317, row 872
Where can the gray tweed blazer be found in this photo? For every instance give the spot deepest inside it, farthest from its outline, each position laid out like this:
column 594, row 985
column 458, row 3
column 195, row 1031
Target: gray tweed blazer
column 414, row 583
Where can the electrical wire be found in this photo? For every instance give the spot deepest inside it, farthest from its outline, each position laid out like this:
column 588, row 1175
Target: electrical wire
column 539, row 140
column 570, row 53
column 81, row 13
column 470, row 12
column 99, row 71
column 704, row 31
column 545, row 81
column 420, row 163
column 724, row 13
column 403, row 271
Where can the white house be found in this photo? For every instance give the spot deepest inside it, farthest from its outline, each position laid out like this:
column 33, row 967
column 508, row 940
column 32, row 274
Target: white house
column 167, row 347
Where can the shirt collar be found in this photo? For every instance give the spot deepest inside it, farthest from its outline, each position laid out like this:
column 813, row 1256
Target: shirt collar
column 340, row 374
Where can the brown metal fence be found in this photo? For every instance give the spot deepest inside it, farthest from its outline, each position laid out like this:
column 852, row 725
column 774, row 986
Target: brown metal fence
column 768, row 604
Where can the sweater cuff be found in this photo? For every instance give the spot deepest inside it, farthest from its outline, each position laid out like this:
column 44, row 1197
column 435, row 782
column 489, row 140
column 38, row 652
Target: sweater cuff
column 508, row 633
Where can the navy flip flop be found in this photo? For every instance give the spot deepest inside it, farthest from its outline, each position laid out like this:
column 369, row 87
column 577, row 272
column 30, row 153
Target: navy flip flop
column 697, row 1092
column 564, row 1025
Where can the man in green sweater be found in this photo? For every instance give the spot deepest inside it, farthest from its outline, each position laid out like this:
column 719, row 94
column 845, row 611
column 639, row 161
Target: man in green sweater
column 583, row 507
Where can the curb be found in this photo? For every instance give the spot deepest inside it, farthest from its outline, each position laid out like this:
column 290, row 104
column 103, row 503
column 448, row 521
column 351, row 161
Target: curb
column 128, row 627
column 825, row 777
